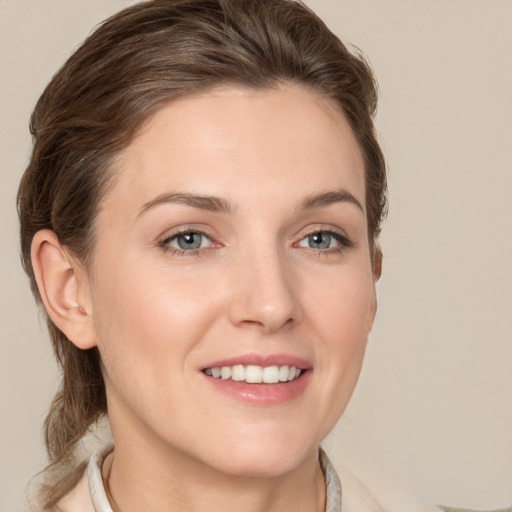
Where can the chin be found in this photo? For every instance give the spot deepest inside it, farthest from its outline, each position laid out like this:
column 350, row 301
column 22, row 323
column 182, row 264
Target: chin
column 262, row 458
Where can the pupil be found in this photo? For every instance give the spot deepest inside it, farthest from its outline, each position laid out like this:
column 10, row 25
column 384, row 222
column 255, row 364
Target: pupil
column 320, row 240
column 189, row 241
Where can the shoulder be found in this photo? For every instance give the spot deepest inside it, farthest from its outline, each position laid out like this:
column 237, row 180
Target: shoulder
column 346, row 492
column 78, row 499
column 451, row 509
column 359, row 497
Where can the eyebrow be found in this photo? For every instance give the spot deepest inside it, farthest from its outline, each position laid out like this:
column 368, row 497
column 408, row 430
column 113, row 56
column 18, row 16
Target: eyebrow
column 208, row 203
column 328, row 198
column 217, row 204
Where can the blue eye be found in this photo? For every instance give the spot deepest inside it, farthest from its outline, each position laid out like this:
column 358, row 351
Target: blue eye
column 188, row 241
column 324, row 240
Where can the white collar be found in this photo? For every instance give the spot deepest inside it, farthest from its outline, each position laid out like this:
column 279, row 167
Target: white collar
column 98, row 495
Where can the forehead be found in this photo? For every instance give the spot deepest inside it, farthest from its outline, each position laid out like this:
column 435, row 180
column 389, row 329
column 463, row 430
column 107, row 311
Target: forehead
column 254, row 145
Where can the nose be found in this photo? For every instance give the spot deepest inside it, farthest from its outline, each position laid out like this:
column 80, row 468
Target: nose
column 265, row 293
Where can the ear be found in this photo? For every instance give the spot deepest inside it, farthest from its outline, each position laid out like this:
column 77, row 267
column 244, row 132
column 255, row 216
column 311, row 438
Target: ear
column 64, row 288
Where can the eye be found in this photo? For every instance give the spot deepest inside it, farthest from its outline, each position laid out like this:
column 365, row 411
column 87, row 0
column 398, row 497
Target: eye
column 324, row 240
column 187, row 241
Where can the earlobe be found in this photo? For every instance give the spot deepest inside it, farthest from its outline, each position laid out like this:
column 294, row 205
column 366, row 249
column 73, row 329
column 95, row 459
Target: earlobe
column 64, row 289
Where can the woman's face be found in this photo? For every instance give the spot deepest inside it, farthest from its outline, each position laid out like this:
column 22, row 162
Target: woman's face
column 234, row 241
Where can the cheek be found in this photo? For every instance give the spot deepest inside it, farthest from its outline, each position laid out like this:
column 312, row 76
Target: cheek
column 341, row 314
column 148, row 321
column 342, row 305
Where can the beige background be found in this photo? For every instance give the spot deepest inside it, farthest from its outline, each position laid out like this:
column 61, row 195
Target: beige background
column 433, row 409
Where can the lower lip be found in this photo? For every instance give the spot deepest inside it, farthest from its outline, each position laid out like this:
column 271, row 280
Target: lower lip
column 262, row 394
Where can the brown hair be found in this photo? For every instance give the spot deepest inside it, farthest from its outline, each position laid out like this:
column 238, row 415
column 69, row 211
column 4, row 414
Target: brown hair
column 140, row 58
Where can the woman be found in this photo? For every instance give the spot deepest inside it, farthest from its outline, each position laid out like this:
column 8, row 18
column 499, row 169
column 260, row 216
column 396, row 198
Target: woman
column 200, row 220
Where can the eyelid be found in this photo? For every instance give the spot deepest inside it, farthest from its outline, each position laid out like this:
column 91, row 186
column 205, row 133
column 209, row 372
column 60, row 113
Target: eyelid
column 164, row 240
column 176, row 234
column 323, row 228
column 183, row 229
column 343, row 241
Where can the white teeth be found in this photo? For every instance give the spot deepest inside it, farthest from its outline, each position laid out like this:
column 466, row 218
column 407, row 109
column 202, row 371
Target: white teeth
column 225, row 372
column 271, row 374
column 255, row 374
column 238, row 372
column 283, row 373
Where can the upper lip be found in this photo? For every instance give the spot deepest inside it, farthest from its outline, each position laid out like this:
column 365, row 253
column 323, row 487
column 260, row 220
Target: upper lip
column 262, row 360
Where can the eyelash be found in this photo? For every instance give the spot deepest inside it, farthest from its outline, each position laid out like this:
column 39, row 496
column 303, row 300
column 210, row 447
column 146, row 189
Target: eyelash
column 344, row 243
column 164, row 244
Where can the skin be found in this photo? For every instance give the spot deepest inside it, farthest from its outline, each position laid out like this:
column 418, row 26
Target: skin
column 257, row 285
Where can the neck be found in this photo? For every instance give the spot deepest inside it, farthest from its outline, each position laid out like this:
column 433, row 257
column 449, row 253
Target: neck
column 147, row 480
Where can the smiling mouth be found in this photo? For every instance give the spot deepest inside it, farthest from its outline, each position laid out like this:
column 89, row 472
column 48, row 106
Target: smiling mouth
column 253, row 374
